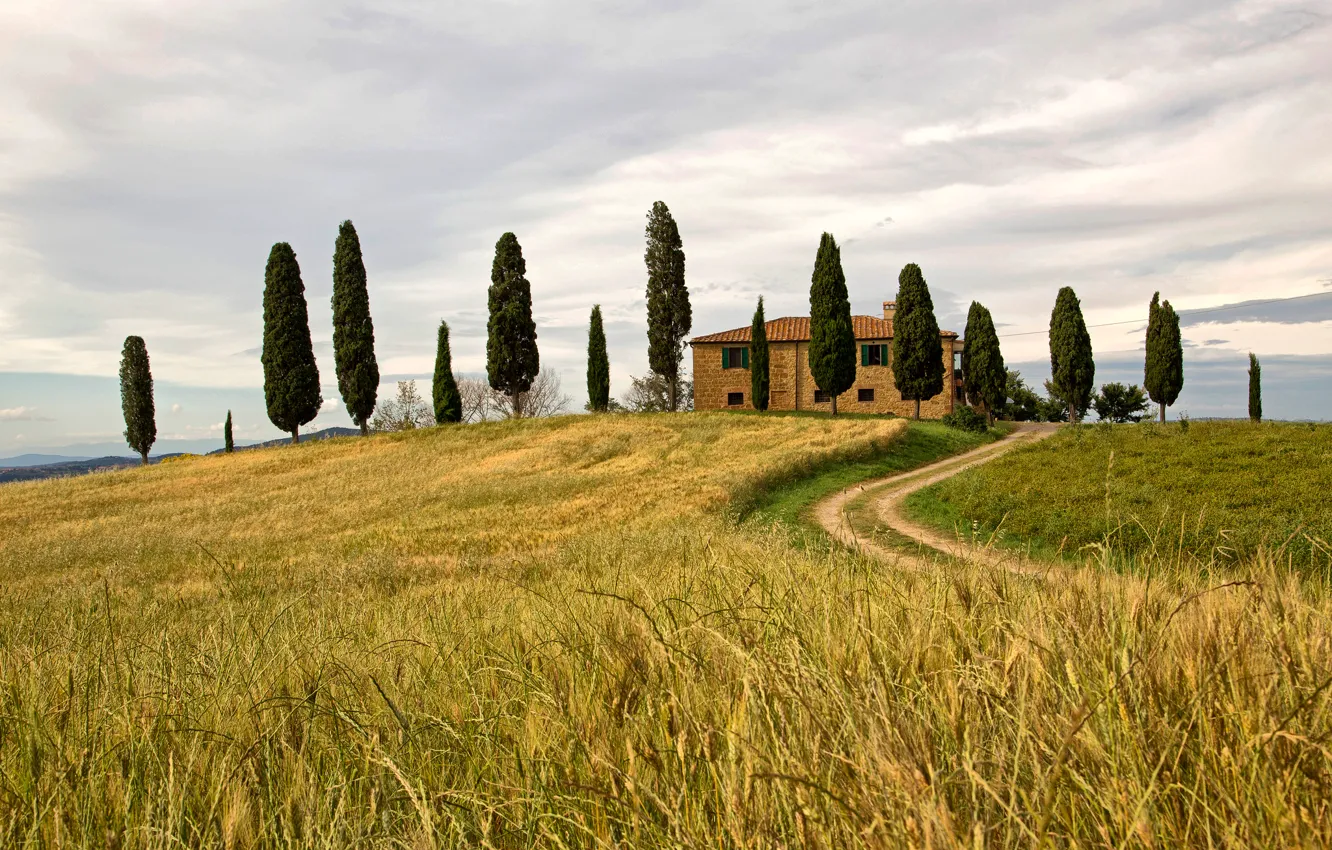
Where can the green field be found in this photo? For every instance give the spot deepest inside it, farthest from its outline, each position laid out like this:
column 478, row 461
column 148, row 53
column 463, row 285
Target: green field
column 1208, row 491
column 597, row 631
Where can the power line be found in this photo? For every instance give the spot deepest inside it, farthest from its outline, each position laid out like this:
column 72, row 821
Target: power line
column 1188, row 312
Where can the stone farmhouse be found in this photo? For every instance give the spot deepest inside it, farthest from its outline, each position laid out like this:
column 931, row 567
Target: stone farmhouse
column 722, row 381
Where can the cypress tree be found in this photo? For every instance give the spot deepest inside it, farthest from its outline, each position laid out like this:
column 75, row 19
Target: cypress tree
column 512, row 361
column 448, row 401
column 1255, row 389
column 832, row 340
column 758, row 360
column 1163, row 372
column 983, row 371
column 136, row 397
column 291, row 378
column 353, row 332
column 1072, row 369
column 669, row 313
column 918, row 366
column 228, row 444
column 598, row 364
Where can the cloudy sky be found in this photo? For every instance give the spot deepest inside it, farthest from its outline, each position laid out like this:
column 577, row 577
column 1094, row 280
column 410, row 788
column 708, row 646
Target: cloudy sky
column 152, row 152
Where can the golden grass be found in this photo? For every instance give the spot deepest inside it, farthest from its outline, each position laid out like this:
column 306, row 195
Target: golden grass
column 653, row 675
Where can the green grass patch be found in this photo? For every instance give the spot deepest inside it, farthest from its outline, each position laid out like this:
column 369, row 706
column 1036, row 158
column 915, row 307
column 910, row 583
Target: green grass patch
column 1207, row 490
column 787, row 501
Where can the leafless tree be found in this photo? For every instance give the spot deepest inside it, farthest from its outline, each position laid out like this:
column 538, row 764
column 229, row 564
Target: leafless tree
column 652, row 394
column 543, row 399
column 475, row 393
column 404, row 413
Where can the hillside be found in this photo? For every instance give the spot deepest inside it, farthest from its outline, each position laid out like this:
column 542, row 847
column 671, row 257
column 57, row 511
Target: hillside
column 556, row 633
column 1212, row 489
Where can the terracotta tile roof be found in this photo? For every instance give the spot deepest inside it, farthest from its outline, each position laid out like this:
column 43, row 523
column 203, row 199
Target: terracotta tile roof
column 796, row 329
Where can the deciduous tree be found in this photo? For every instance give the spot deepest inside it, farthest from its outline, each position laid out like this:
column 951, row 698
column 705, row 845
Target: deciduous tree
column 918, row 367
column 1071, row 366
column 598, row 364
column 512, row 361
column 758, row 359
column 983, row 371
column 136, row 397
column 444, row 389
column 353, row 332
column 1119, row 403
column 669, row 313
column 832, row 340
column 291, row 378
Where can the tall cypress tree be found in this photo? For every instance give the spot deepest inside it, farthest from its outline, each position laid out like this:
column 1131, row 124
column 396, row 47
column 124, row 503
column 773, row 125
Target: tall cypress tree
column 1072, row 370
column 758, row 360
column 1255, row 389
column 353, row 332
column 598, row 364
column 832, row 340
column 444, row 390
column 918, row 366
column 136, row 397
column 512, row 361
column 291, row 378
column 983, row 371
column 669, row 313
column 228, row 444
column 1163, row 371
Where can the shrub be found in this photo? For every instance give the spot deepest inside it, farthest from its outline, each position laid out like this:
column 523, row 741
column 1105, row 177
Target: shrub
column 965, row 419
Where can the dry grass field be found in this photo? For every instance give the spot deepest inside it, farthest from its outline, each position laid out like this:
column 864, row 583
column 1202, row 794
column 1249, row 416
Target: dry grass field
column 555, row 634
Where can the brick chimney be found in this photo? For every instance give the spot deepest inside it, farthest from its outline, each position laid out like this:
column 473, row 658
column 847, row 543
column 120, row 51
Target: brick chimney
column 889, row 308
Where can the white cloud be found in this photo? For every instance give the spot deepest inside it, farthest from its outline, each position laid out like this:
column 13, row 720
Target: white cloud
column 175, row 408
column 22, row 414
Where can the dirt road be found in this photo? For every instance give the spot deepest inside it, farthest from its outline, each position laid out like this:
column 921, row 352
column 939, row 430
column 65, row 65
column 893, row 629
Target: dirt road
column 888, row 495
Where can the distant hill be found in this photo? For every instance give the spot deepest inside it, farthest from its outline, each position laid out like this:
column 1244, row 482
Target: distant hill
column 14, row 469
column 324, row 434
column 39, row 460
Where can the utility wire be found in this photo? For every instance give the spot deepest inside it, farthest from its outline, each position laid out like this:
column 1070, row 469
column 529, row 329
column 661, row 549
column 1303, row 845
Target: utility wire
column 1187, row 313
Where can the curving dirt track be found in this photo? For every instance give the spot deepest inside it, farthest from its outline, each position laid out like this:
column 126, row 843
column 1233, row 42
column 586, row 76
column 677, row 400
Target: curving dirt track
column 889, row 494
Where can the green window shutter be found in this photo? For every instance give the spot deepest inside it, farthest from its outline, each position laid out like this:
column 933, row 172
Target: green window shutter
column 744, row 358
column 726, row 358
column 883, row 354
column 864, row 355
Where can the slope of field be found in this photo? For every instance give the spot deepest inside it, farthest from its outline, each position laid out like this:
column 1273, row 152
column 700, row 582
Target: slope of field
column 1213, row 488
column 555, row 634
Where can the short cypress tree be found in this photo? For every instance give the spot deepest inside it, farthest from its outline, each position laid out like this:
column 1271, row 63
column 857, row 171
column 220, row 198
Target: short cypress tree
column 983, row 371
column 669, row 313
column 1072, row 370
column 832, row 340
column 291, row 378
column 136, row 397
column 353, row 332
column 598, row 364
column 444, row 390
column 758, row 359
column 228, row 444
column 1255, row 389
column 1163, row 371
column 918, row 366
column 512, row 361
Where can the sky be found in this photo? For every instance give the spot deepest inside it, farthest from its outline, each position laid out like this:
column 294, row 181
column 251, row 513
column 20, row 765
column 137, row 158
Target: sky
column 152, row 152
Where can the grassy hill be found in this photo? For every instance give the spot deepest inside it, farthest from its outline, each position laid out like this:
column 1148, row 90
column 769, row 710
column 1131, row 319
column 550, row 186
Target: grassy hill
column 1213, row 490
column 556, row 633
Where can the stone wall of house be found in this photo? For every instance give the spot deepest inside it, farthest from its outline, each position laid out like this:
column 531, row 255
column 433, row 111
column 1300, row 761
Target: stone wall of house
column 791, row 384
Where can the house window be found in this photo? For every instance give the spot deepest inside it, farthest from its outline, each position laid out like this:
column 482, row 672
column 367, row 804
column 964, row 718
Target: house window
column 864, row 395
column 820, row 397
column 735, row 358
column 732, row 399
column 875, row 354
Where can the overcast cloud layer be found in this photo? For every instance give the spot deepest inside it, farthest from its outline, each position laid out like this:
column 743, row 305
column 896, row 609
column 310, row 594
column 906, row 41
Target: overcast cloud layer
column 152, row 152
